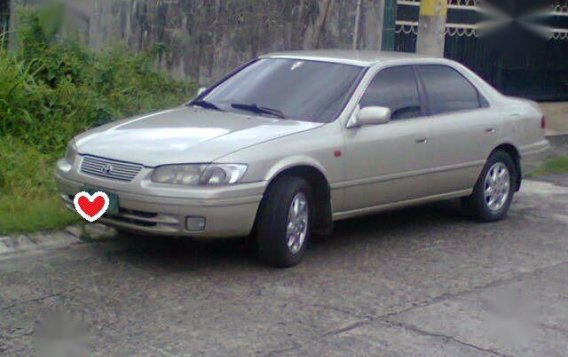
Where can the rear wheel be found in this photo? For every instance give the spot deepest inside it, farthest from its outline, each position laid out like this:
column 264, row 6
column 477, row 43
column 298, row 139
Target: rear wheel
column 284, row 222
column 494, row 190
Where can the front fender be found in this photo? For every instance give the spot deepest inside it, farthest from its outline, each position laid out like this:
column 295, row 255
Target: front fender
column 291, row 162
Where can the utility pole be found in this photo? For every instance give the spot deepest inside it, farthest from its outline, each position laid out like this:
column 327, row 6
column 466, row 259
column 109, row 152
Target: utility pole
column 432, row 27
column 357, row 22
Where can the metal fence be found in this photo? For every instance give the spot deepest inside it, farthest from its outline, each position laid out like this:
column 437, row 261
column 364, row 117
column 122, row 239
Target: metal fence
column 518, row 59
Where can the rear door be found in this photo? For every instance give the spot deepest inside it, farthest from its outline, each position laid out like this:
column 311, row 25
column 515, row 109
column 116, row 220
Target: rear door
column 389, row 163
column 462, row 127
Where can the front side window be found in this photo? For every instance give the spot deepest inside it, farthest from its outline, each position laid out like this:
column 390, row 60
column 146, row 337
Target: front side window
column 448, row 91
column 288, row 88
column 394, row 88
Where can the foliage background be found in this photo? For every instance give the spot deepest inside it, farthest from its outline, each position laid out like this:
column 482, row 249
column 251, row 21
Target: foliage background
column 52, row 88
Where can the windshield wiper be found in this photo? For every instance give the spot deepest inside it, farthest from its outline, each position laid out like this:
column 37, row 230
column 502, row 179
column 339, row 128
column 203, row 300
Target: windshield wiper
column 255, row 108
column 205, row 104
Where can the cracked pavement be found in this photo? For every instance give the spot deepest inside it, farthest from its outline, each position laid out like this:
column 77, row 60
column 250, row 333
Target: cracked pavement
column 423, row 281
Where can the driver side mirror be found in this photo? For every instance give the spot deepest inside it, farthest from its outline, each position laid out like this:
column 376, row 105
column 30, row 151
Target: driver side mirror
column 373, row 116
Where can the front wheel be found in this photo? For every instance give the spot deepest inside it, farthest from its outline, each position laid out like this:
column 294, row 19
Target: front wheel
column 493, row 192
column 284, row 222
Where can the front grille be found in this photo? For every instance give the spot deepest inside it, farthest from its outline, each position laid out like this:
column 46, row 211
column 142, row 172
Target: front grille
column 111, row 169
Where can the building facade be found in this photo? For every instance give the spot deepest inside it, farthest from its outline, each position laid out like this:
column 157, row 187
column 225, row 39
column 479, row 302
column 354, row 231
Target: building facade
column 520, row 46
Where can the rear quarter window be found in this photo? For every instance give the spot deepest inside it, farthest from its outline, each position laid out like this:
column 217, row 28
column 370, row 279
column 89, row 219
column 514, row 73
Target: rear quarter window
column 448, row 91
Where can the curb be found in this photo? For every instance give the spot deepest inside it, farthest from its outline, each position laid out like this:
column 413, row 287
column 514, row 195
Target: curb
column 72, row 235
column 543, row 187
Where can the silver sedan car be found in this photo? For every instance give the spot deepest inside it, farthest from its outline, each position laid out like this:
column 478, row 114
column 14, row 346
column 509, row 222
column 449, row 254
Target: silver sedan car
column 291, row 142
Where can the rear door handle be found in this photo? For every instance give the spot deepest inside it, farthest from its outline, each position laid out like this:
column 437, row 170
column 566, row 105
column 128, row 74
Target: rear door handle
column 490, row 130
column 422, row 141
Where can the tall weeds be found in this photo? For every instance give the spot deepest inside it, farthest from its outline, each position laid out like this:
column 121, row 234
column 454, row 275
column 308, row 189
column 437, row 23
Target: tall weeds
column 52, row 88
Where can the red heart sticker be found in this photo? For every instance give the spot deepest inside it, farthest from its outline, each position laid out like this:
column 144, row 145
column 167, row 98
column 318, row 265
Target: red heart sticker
column 91, row 207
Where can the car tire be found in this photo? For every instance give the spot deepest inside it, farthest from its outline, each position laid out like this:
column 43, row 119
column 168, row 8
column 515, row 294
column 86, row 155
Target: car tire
column 284, row 222
column 494, row 189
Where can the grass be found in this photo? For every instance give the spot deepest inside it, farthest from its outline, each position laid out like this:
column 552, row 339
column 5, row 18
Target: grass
column 29, row 200
column 52, row 89
column 19, row 215
column 556, row 165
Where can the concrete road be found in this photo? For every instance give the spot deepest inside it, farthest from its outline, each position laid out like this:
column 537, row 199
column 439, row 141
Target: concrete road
column 416, row 282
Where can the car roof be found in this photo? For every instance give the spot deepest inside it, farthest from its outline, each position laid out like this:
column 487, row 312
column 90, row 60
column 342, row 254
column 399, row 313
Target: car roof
column 352, row 57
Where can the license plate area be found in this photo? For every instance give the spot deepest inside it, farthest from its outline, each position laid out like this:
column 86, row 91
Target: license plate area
column 114, row 203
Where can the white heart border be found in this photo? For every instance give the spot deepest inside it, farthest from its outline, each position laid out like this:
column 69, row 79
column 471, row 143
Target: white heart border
column 91, row 198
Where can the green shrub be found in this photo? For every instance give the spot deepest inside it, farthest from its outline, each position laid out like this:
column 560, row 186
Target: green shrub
column 24, row 171
column 53, row 88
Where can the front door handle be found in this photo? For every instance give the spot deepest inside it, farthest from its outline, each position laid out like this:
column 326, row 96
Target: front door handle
column 422, row 141
column 490, row 130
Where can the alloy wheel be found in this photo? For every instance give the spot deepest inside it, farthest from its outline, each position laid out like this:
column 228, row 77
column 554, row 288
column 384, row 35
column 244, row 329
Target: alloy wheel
column 497, row 186
column 297, row 225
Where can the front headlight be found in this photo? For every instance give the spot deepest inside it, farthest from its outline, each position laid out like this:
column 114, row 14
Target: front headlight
column 199, row 174
column 71, row 152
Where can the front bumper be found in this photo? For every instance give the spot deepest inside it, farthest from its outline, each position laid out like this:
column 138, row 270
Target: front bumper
column 227, row 212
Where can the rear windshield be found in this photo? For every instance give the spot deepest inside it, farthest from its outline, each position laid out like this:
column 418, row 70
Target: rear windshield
column 296, row 89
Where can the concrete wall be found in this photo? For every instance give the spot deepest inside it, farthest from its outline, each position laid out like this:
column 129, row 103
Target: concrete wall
column 206, row 38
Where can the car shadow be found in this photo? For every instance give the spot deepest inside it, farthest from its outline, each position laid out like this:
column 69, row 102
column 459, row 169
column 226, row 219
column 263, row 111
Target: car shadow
column 182, row 254
column 383, row 224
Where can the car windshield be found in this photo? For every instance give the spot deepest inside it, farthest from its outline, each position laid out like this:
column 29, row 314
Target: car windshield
column 286, row 89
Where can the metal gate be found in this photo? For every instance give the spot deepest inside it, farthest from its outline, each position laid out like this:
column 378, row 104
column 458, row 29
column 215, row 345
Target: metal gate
column 522, row 49
column 4, row 17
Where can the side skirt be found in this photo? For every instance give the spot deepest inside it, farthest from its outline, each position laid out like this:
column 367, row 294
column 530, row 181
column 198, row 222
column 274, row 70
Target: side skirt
column 391, row 206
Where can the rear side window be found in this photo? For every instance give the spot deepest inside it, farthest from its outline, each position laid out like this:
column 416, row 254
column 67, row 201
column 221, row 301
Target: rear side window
column 448, row 91
column 394, row 88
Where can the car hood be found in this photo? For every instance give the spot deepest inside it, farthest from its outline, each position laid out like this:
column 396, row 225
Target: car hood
column 183, row 135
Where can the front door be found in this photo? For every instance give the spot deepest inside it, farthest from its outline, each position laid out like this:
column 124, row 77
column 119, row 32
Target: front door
column 389, row 163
